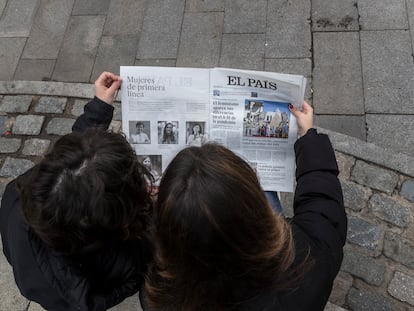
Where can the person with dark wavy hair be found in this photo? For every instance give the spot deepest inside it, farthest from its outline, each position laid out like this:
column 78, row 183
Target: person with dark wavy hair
column 75, row 227
column 220, row 245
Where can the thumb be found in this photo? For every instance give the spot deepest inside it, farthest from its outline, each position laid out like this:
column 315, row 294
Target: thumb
column 115, row 85
column 306, row 108
column 296, row 112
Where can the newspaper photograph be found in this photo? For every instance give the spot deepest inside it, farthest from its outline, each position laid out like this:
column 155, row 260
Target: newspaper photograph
column 165, row 109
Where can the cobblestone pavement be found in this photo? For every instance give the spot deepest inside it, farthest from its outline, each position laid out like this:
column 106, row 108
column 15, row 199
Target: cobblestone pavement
column 357, row 56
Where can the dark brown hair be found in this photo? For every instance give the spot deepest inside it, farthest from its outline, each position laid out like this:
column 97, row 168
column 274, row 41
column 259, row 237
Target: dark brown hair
column 217, row 239
column 88, row 190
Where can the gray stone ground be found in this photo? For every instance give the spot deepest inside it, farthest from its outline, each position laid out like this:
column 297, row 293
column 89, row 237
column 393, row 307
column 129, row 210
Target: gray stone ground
column 357, row 56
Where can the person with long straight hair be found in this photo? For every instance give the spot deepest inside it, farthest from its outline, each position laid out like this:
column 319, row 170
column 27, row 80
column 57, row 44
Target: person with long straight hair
column 220, row 246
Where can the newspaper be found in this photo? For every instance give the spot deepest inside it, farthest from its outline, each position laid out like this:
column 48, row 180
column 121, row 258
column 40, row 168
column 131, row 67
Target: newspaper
column 165, row 109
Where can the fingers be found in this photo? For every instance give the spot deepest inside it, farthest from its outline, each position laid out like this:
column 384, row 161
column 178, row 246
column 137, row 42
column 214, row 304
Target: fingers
column 115, row 84
column 107, row 79
column 304, row 117
column 106, row 86
column 103, row 79
column 306, row 108
column 296, row 112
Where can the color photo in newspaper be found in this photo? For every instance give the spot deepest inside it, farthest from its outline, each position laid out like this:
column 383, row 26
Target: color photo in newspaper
column 165, row 109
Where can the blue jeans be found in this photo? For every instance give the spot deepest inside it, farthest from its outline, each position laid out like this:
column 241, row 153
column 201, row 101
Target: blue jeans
column 274, row 201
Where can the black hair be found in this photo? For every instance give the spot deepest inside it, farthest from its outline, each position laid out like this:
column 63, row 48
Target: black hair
column 88, row 190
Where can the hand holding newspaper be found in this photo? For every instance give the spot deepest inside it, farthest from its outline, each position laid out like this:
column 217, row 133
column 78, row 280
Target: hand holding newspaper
column 165, row 109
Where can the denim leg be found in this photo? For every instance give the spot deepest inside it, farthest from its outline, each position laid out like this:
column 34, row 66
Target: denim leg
column 274, row 201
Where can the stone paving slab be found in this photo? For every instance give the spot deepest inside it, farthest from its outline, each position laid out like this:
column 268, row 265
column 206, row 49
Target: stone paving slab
column 113, row 52
column 131, row 303
column 28, row 125
column 382, row 14
column 17, row 18
column 9, row 145
column 10, row 51
column 200, row 40
column 363, row 266
column 10, row 298
column 390, row 210
column 125, row 17
column 288, row 30
column 154, row 41
column 3, row 120
column 13, row 167
column 2, row 6
column 399, row 249
column 243, row 51
column 91, row 7
column 334, row 15
column 407, row 190
column 355, row 196
column 337, row 79
column 402, row 287
column 48, row 29
column 332, row 307
column 365, row 234
column 36, row 147
column 164, row 62
column 410, row 13
column 13, row 104
column 77, row 55
column 342, row 284
column 392, row 131
column 49, row 104
column 296, row 66
column 60, row 126
column 204, row 6
column 388, row 71
column 350, row 125
column 245, row 16
column 361, row 299
column 34, row 69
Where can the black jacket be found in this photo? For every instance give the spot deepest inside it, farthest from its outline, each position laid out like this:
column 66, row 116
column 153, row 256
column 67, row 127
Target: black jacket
column 319, row 225
column 96, row 281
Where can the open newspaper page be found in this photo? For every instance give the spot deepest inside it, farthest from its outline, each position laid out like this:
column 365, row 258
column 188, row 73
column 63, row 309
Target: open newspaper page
column 164, row 110
column 250, row 115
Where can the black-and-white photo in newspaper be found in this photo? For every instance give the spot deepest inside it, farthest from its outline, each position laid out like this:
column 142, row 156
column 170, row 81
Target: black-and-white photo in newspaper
column 168, row 132
column 153, row 163
column 139, row 132
column 196, row 135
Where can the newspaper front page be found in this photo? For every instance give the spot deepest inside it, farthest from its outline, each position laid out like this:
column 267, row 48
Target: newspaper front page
column 165, row 109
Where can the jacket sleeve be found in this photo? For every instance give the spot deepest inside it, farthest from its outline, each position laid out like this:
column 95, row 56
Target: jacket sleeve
column 97, row 113
column 318, row 202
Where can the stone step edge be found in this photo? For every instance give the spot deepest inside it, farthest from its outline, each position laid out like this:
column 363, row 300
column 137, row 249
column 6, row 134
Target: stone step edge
column 370, row 152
